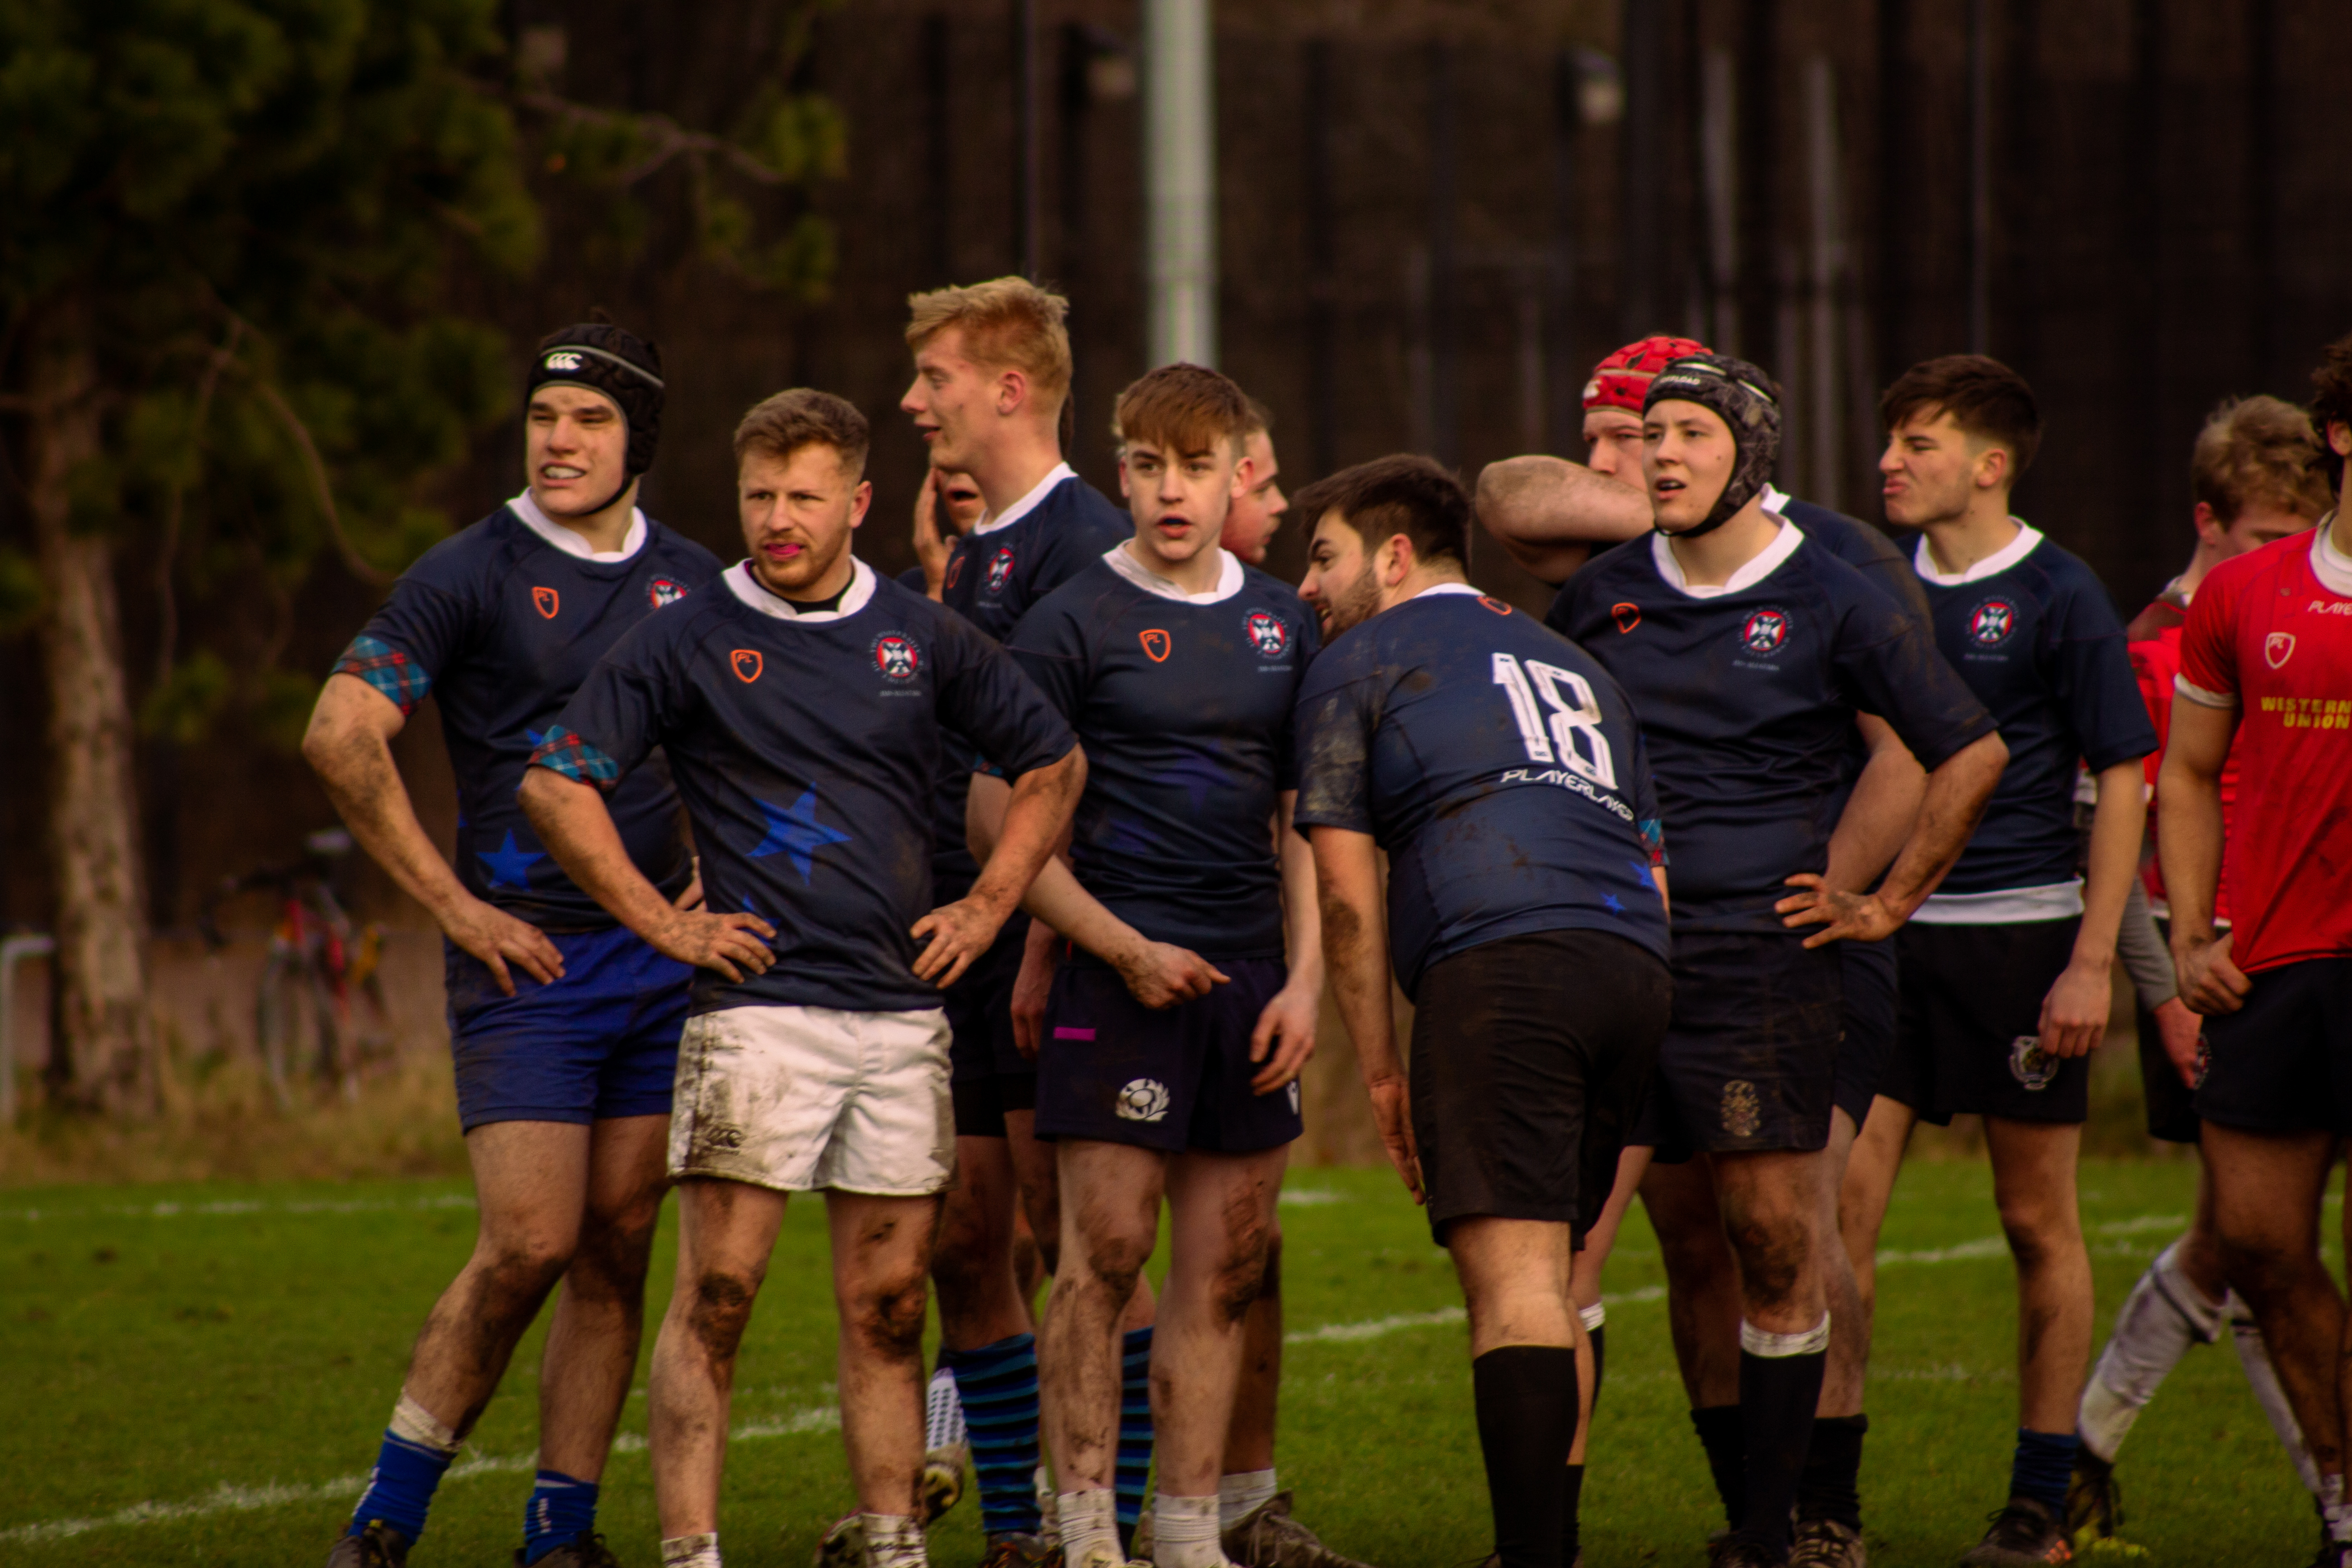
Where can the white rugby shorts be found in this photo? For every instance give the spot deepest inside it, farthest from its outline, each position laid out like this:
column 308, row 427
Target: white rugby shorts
column 809, row 1099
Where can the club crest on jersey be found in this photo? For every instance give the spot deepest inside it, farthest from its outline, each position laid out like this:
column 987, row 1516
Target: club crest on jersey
column 545, row 601
column 1156, row 643
column 2030, row 1065
column 1765, row 632
column 1991, row 623
column 663, row 591
column 1000, row 571
column 2277, row 648
column 1743, row 1109
column 897, row 655
column 746, row 662
column 1626, row 614
column 1267, row 633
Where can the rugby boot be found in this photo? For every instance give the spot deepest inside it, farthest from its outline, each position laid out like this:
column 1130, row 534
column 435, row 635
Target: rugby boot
column 2094, row 1504
column 585, row 1550
column 1015, row 1550
column 842, row 1544
column 943, row 1473
column 2025, row 1532
column 1827, row 1543
column 1268, row 1537
column 377, row 1546
column 1730, row 1552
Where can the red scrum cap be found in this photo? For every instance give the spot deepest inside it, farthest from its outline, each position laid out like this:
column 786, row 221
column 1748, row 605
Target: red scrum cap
column 1622, row 379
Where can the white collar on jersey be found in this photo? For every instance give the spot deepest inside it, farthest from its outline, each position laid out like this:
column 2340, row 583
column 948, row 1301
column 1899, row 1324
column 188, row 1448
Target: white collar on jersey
column 569, row 542
column 2001, row 560
column 1436, row 588
column 768, row 602
column 2329, row 565
column 1776, row 501
column 1027, row 504
column 1757, row 567
column 1229, row 576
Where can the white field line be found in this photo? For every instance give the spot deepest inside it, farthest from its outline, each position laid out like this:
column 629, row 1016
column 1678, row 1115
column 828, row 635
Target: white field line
column 238, row 1206
column 227, row 1499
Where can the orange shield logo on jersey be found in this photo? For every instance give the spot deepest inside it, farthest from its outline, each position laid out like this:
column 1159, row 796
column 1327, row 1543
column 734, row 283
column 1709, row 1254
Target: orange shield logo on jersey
column 546, row 600
column 1626, row 615
column 746, row 661
column 1156, row 644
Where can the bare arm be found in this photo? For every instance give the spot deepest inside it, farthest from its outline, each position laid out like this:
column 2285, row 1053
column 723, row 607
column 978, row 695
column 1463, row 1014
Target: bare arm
column 1956, row 794
column 1881, row 812
column 348, row 746
column 2189, row 847
column 1355, row 947
column 1550, row 514
column 1035, row 814
column 2074, row 1014
column 1285, row 1036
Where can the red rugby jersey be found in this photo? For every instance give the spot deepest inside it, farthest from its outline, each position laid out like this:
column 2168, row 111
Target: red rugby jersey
column 2155, row 651
column 2271, row 633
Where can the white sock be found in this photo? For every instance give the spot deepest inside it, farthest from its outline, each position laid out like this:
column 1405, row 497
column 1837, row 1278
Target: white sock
column 943, row 1424
column 2254, row 1357
column 691, row 1552
column 2331, row 1508
column 1049, row 1512
column 1185, row 1532
column 413, row 1423
column 1089, row 1528
column 1594, row 1316
column 893, row 1540
column 1242, row 1494
column 2163, row 1316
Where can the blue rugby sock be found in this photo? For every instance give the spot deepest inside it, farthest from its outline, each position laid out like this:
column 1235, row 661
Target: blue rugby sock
column 1134, row 1428
column 998, row 1385
column 2044, row 1461
column 416, row 1451
column 561, row 1510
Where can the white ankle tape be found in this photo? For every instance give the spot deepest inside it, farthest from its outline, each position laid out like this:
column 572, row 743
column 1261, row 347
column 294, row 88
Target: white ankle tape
column 1759, row 1341
column 414, row 1424
column 691, row 1552
column 1594, row 1316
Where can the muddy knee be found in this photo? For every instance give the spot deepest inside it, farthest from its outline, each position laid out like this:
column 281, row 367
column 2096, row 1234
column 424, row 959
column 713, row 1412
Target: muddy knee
column 719, row 1311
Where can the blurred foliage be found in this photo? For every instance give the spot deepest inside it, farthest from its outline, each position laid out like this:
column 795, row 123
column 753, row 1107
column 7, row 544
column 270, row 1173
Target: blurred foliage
column 268, row 213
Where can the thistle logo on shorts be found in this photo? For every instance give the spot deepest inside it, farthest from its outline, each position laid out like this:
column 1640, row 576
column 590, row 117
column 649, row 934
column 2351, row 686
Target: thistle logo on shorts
column 897, row 655
column 545, row 601
column 663, row 591
column 1626, row 614
column 1267, row 633
column 1743, row 1111
column 1294, row 1097
column 1765, row 632
column 2277, row 648
column 1143, row 1100
column 1000, row 571
column 1991, row 623
column 747, row 663
column 1156, row 643
column 2030, row 1064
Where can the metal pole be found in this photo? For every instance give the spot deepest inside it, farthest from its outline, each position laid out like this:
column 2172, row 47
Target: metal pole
column 13, row 951
column 1979, row 176
column 1029, row 213
column 1180, row 159
column 1641, row 247
column 1824, row 477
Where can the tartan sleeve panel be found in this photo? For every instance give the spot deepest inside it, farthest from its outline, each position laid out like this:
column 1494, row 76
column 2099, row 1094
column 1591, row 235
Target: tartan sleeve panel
column 566, row 752
column 387, row 668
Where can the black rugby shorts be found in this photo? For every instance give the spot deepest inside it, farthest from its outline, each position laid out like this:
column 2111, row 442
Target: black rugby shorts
column 987, row 1074
column 1968, row 1036
column 2283, row 1063
column 1749, row 1063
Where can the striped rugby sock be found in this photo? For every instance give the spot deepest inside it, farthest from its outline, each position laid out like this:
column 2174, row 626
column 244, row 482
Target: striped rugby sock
column 998, row 1387
column 1134, row 1426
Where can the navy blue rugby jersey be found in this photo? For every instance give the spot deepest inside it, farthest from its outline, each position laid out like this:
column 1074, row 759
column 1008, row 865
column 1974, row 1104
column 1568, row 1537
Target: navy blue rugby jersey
column 500, row 623
column 2031, row 630
column 807, row 747
column 1859, row 546
column 953, row 869
column 1184, row 705
column 1498, row 765
column 1747, row 697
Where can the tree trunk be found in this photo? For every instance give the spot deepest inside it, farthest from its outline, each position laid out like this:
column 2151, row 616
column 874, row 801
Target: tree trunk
column 103, row 1055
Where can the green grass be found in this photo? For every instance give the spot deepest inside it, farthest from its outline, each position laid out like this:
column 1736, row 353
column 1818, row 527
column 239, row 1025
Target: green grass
column 159, row 1344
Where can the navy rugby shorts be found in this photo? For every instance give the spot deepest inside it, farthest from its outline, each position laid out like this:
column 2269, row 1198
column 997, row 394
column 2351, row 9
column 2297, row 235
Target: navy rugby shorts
column 1749, row 1062
column 2279, row 1064
column 1969, row 1037
column 988, row 1074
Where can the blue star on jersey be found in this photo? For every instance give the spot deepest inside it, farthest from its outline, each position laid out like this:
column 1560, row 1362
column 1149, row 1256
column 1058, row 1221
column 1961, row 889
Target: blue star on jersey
column 508, row 865
column 796, row 832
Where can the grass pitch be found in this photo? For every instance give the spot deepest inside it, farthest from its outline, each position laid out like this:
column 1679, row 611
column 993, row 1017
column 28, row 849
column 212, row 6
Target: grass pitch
column 199, row 1374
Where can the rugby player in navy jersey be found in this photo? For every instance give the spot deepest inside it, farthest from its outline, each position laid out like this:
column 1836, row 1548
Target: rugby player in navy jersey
column 2006, row 970
column 1501, row 771
column 800, row 704
column 1549, row 514
column 1174, row 1033
column 1750, row 654
column 991, row 373
column 564, row 1025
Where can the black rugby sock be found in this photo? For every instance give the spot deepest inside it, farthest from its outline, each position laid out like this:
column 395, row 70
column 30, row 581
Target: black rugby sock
column 1830, row 1485
column 1572, row 1535
column 1780, row 1387
column 1726, row 1442
column 1526, row 1398
column 1600, row 1362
